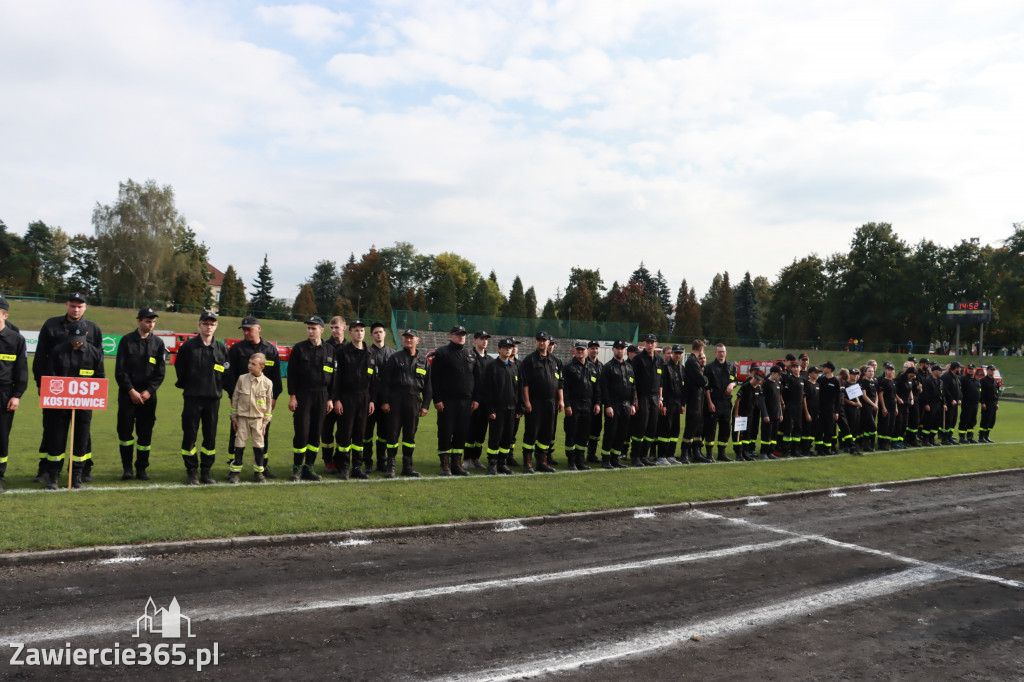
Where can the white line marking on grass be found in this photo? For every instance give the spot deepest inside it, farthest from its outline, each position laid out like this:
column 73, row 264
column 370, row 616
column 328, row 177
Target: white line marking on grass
column 269, row 609
column 652, row 642
column 810, row 537
column 645, row 513
column 508, row 525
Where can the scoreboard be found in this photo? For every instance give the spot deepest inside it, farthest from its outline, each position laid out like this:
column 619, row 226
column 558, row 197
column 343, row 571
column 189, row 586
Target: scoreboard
column 969, row 312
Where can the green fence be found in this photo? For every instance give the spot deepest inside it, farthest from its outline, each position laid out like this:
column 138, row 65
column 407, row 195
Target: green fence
column 511, row 326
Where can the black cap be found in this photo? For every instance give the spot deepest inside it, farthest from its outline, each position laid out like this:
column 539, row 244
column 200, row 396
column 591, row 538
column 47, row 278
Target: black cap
column 790, row 357
column 888, row 365
column 855, row 370
column 924, row 361
column 936, row 366
column 912, row 359
column 955, row 365
column 515, row 341
column 507, row 342
column 77, row 331
column 910, row 370
column 541, row 336
column 377, row 324
column 581, row 345
column 678, row 348
column 632, row 349
column 207, row 315
column 776, row 369
column 594, row 344
column 356, row 323
column 314, row 319
column 410, row 332
column 803, row 356
column 991, row 368
column 249, row 321
column 619, row 343
column 650, row 337
column 552, row 341
column 76, row 296
column 481, row 334
column 828, row 365
column 146, row 313
column 813, row 369
column 457, row 329
column 4, row 305
column 971, row 366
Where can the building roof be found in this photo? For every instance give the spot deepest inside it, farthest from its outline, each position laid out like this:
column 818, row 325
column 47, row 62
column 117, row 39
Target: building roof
column 218, row 277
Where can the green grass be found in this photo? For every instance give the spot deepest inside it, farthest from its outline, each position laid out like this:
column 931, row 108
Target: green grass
column 112, row 511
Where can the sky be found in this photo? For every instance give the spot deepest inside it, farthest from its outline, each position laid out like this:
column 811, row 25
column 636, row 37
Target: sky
column 528, row 137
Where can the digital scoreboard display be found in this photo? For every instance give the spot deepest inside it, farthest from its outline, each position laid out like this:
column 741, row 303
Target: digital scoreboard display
column 969, row 312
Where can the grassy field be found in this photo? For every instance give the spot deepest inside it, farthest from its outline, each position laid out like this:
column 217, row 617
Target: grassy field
column 112, row 511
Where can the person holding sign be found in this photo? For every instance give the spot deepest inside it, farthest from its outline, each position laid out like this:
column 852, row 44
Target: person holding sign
column 13, row 380
column 73, row 358
column 200, row 366
column 139, row 371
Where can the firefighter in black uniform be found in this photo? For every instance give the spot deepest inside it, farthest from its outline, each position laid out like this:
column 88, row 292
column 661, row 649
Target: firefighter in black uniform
column 721, row 376
column 380, row 353
column 13, row 380
column 989, row 402
column 200, row 365
column 353, row 395
column 830, row 394
column 139, row 370
column 888, row 406
column 330, row 427
column 618, row 395
column 477, row 419
column 238, row 361
column 695, row 384
column 582, row 402
column 310, row 373
column 869, row 407
column 905, row 394
column 644, row 425
column 811, row 407
column 672, row 396
column 554, row 422
column 750, row 404
column 772, row 403
column 970, row 389
column 73, row 358
column 933, row 404
column 849, row 416
column 54, row 332
column 405, row 393
column 915, row 414
column 953, row 396
column 793, row 414
column 500, row 396
column 451, row 380
column 542, row 401
column 593, row 349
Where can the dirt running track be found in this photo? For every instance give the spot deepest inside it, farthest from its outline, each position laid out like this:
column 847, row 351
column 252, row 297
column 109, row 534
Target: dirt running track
column 922, row 582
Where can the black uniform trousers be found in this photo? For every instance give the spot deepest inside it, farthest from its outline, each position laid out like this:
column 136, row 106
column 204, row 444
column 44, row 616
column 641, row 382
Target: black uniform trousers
column 477, row 434
column 401, row 423
column 644, row 424
column 769, row 435
column 968, row 418
column 540, row 424
column 826, row 429
column 754, row 424
column 327, row 437
column 616, row 431
column 694, row 423
column 135, row 429
column 375, row 421
column 988, row 415
column 668, row 430
column 596, row 422
column 308, row 424
column 196, row 412
column 792, row 425
column 351, row 427
column 914, row 418
column 849, row 424
column 949, row 423
column 6, row 422
column 899, row 429
column 499, row 435
column 453, row 426
column 931, row 420
column 886, row 424
column 57, row 423
column 719, row 420
column 868, row 418
column 577, row 430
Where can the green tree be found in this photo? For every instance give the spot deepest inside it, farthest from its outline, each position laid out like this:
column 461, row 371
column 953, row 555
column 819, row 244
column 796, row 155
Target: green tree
column 407, row 270
column 359, row 279
column 798, row 300
column 43, row 257
column 83, row 266
column 232, row 294
column 305, row 303
column 379, row 309
column 877, row 261
column 632, row 303
column 516, row 300
column 260, row 296
column 445, row 295
column 421, row 300
column 748, row 319
column 136, row 238
column 463, row 276
column 531, row 303
column 687, row 320
column 724, row 316
column 582, row 294
column 191, row 292
column 344, row 308
column 708, row 305
column 324, row 284
column 487, row 299
column 549, row 311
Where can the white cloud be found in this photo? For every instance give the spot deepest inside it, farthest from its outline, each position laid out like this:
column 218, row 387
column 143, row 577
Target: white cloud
column 305, row 21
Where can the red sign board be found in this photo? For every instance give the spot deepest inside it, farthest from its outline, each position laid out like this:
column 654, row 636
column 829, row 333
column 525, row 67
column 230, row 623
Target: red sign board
column 73, row 393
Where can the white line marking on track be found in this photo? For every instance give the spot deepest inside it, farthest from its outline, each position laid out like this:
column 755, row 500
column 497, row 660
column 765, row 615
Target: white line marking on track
column 508, row 526
column 755, row 502
column 835, row 492
column 123, row 560
column 652, row 642
column 879, row 490
column 810, row 537
column 350, row 543
column 269, row 609
column 645, row 513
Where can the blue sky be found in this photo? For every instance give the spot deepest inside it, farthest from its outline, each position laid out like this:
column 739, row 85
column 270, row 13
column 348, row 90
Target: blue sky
column 528, row 137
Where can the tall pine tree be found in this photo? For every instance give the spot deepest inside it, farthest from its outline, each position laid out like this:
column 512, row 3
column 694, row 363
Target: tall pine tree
column 261, row 299
column 232, row 294
column 516, row 300
column 724, row 315
column 687, row 323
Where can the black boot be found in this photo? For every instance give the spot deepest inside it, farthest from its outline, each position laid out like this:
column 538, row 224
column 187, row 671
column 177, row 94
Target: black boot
column 581, row 463
column 127, row 454
column 193, row 477
column 456, row 465
column 42, row 475
column 87, row 471
column 527, row 469
column 267, row 473
column 503, row 467
column 389, row 467
column 542, row 464
column 51, row 479
column 606, row 462
column 492, row 467
column 571, row 457
column 204, row 476
column 445, row 468
column 76, row 477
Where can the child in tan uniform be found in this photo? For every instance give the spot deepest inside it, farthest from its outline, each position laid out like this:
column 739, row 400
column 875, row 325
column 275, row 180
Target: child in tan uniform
column 250, row 414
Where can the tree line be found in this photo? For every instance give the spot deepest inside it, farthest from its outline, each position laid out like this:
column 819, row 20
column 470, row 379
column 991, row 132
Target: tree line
column 881, row 289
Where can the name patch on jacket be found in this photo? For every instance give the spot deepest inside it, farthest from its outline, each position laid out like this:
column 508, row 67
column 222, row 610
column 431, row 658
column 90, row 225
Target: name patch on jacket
column 218, row 368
